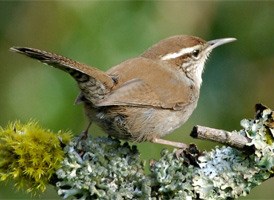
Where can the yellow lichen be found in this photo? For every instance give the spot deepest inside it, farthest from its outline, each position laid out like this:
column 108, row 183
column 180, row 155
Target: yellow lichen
column 29, row 154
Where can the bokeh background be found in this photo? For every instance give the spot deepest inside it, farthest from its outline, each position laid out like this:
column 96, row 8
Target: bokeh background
column 238, row 75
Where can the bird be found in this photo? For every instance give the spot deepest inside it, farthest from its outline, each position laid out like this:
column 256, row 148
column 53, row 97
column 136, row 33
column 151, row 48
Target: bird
column 143, row 98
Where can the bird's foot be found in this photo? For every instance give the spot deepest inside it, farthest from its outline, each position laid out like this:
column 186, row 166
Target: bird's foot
column 81, row 140
column 190, row 155
column 84, row 134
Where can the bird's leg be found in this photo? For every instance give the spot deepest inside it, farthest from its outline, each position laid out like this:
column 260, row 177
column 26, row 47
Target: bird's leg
column 84, row 134
column 81, row 140
column 170, row 143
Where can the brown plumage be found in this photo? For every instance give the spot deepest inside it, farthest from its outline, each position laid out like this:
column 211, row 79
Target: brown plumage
column 143, row 98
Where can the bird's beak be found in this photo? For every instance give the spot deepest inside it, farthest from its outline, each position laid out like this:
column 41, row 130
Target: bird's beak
column 215, row 43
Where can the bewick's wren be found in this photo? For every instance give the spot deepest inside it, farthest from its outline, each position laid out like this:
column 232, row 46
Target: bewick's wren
column 143, row 98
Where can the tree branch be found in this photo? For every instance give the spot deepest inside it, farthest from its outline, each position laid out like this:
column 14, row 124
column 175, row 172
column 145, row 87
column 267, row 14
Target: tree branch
column 107, row 169
column 233, row 139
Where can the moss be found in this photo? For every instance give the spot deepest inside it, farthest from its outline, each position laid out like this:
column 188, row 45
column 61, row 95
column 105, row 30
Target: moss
column 30, row 155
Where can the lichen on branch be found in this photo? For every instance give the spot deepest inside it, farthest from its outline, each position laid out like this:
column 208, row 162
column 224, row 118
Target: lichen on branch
column 105, row 168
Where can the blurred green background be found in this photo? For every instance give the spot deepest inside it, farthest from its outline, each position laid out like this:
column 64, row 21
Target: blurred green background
column 103, row 34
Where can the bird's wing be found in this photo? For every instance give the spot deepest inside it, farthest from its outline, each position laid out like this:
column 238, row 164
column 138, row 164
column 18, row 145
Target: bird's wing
column 143, row 82
column 132, row 93
column 86, row 77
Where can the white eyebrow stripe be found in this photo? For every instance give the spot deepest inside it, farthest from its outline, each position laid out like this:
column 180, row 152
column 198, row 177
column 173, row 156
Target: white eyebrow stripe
column 183, row 51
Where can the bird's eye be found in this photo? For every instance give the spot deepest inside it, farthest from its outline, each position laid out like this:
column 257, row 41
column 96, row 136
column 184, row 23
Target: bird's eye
column 195, row 53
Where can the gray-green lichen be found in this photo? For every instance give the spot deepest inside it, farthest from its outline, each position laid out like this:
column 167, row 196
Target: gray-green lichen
column 101, row 168
column 104, row 168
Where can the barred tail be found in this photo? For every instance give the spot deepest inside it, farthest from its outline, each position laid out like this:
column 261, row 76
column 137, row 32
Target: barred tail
column 93, row 82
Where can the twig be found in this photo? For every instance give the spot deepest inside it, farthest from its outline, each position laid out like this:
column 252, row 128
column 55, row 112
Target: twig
column 233, row 139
